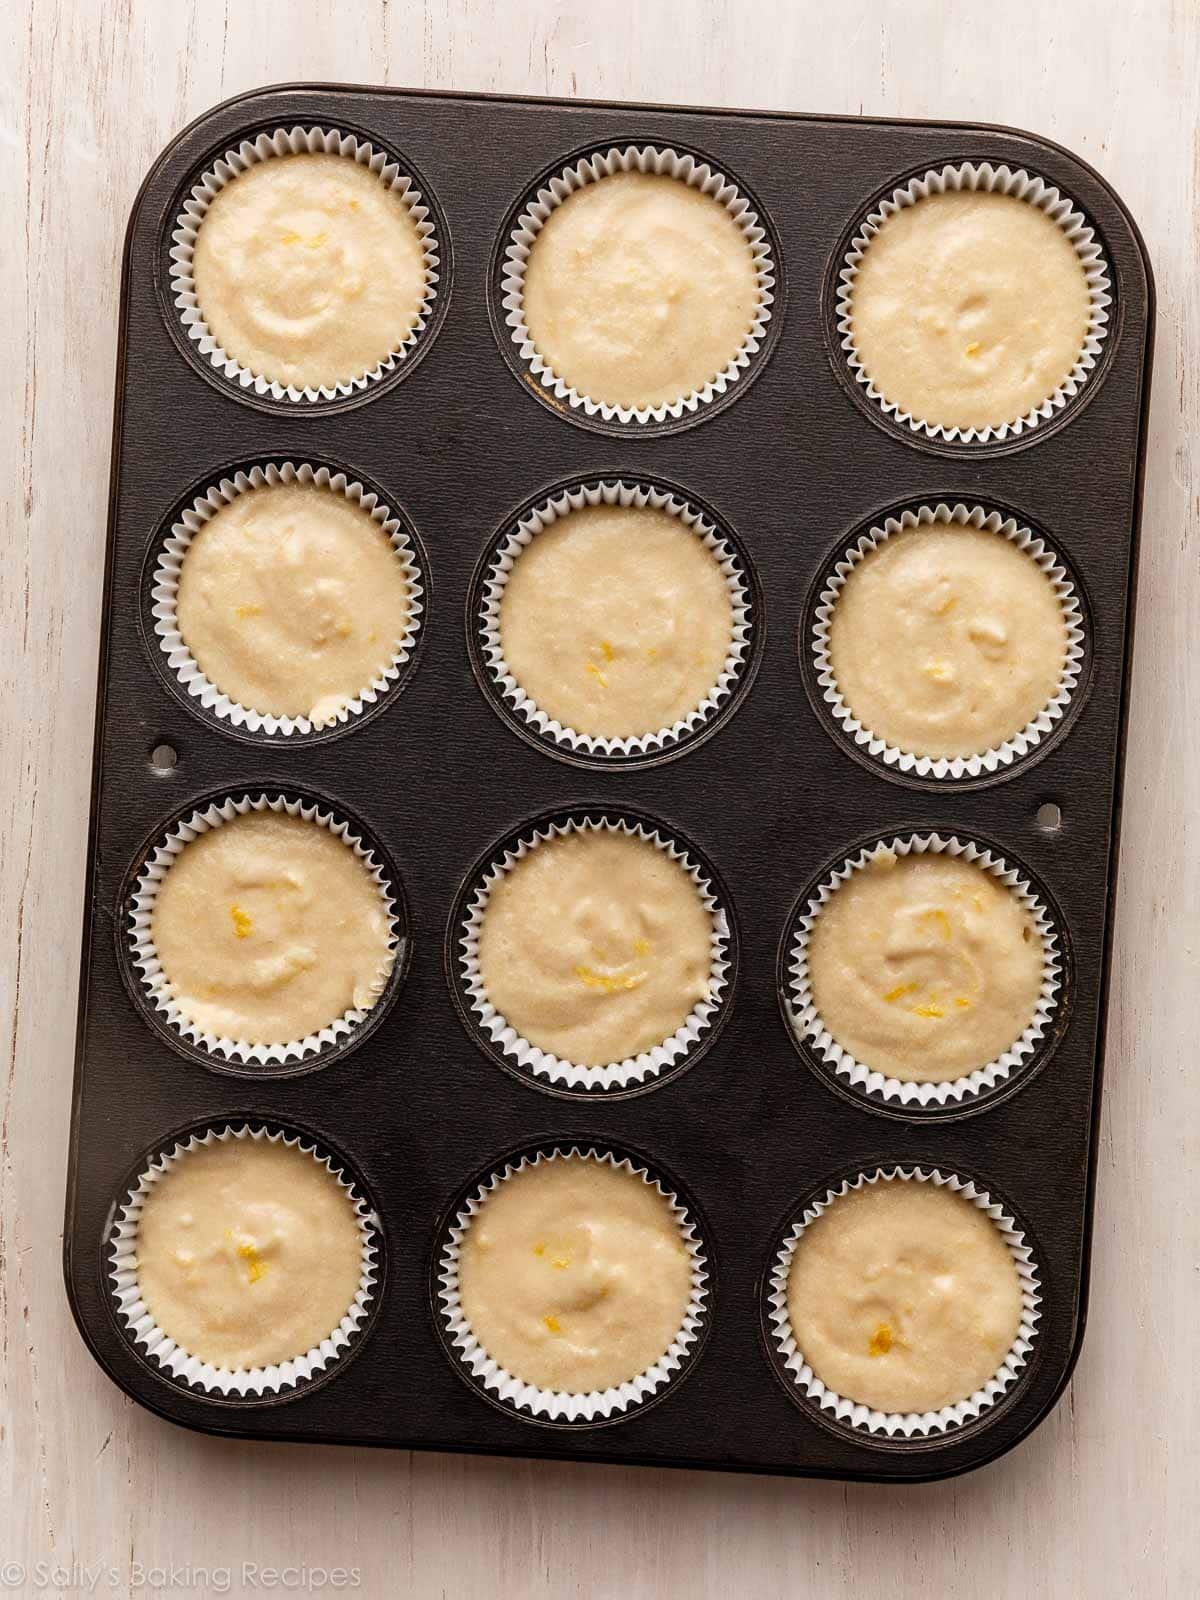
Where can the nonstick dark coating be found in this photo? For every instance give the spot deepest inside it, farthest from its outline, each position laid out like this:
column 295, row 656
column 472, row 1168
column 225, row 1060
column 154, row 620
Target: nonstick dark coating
column 792, row 464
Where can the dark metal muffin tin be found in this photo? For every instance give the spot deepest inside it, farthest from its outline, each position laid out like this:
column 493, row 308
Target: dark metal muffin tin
column 458, row 444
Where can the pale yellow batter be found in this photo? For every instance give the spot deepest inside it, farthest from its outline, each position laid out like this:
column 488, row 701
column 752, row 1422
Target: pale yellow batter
column 640, row 289
column 574, row 1275
column 269, row 928
column 596, row 946
column 292, row 600
column 969, row 309
column 947, row 640
column 248, row 1253
column 925, row 967
column 616, row 620
column 904, row 1296
column 309, row 270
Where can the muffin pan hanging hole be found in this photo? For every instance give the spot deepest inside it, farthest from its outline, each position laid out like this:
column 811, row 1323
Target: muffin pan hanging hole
column 1049, row 816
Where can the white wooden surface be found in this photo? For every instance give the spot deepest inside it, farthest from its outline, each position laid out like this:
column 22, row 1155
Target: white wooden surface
column 1102, row 1501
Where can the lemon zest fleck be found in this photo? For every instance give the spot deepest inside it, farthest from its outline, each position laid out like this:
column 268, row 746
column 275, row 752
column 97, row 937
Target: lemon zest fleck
column 900, row 990
column 641, row 947
column 241, row 922
column 942, row 920
column 607, row 651
column 608, row 982
column 539, row 1248
column 244, row 613
column 595, row 672
column 881, row 1340
column 930, row 1010
column 554, row 1325
column 974, row 348
column 255, row 1267
column 962, row 1001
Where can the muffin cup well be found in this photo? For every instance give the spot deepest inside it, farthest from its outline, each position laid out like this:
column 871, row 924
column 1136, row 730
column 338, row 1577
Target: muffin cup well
column 810, row 1033
column 1034, row 191
column 526, row 1400
column 1031, row 735
column 169, row 566
column 267, row 146
column 250, row 1382
column 503, row 1040
column 499, row 565
column 662, row 161
column 151, row 982
column 808, row 1389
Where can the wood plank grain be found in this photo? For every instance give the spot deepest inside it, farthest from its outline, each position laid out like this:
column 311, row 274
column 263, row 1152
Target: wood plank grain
column 1101, row 1501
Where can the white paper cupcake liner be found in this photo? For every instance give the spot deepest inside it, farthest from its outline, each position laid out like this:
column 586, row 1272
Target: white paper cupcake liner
column 168, row 570
column 154, row 982
column 284, row 142
column 245, row 1382
column 1031, row 735
column 1060, row 208
column 806, row 1020
column 661, row 161
column 616, row 1074
column 905, row 1424
column 601, row 1404
column 618, row 493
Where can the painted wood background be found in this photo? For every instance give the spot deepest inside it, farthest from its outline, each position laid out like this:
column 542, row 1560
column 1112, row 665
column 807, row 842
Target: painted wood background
column 1102, row 1501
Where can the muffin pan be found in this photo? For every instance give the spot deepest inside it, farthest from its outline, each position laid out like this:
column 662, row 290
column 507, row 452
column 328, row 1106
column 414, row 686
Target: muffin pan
column 459, row 440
